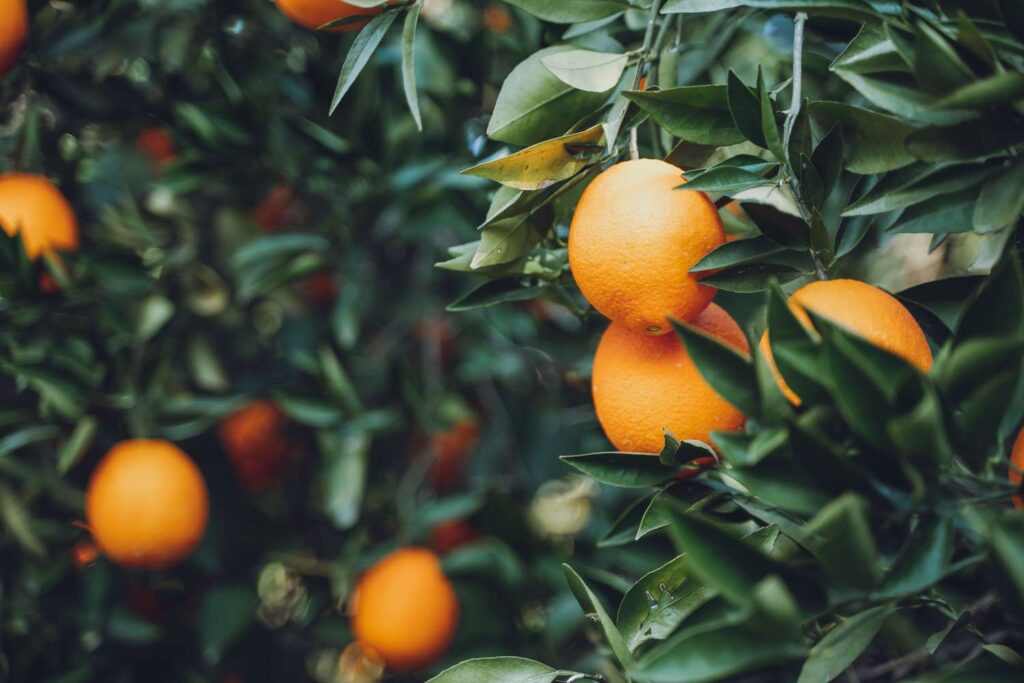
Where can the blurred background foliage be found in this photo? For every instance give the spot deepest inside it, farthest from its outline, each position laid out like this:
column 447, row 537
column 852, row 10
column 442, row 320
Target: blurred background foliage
column 240, row 244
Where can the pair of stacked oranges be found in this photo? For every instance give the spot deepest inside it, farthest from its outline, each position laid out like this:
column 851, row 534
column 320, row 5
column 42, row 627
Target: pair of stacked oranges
column 633, row 239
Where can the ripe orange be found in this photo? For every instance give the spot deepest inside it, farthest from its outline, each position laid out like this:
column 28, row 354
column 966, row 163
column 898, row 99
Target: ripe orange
column 863, row 309
column 404, row 609
column 643, row 385
column 157, row 144
column 254, row 438
column 633, row 239
column 32, row 206
column 146, row 504
column 13, row 33
column 315, row 13
column 1017, row 468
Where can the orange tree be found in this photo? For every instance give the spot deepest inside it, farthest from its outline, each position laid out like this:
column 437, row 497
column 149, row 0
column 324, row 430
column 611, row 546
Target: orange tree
column 194, row 253
column 860, row 519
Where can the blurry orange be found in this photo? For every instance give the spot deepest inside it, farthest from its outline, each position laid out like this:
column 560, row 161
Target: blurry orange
column 404, row 609
column 83, row 554
column 320, row 289
column 254, row 438
column 278, row 208
column 633, row 239
column 146, row 504
column 644, row 384
column 451, row 450
column 863, row 309
column 13, row 33
column 447, row 536
column 497, row 18
column 157, row 144
column 315, row 13
column 1017, row 468
column 31, row 206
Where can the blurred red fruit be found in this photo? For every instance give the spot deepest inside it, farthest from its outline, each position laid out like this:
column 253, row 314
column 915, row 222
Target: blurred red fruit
column 447, row 536
column 451, row 450
column 255, row 441
column 157, row 144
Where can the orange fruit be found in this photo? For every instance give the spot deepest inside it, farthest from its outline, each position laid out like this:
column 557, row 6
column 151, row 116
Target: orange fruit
column 404, row 609
column 146, row 504
column 157, row 144
column 315, row 13
column 643, row 385
column 449, row 535
column 279, row 209
column 254, row 438
column 497, row 18
column 13, row 33
column 32, row 206
column 633, row 240
column 863, row 309
column 83, row 554
column 451, row 450
column 1017, row 468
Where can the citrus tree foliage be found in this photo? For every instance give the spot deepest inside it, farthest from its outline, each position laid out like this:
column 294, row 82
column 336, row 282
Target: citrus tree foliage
column 869, row 530
column 282, row 254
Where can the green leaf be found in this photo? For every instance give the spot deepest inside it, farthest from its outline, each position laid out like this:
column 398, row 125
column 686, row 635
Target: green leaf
column 78, row 443
column 408, row 63
column 343, row 476
column 843, row 644
column 769, row 126
column 627, row 470
column 924, row 559
column 545, row 163
column 494, row 292
column 697, row 113
column 359, row 55
column 729, row 372
column 224, row 615
column 998, row 306
column 705, row 654
column 570, row 11
column 745, row 109
column 1001, row 201
column 676, row 591
column 733, row 566
column 625, row 527
column 726, row 180
column 497, row 670
column 840, row 9
column 942, row 215
column 939, row 69
column 587, row 70
column 591, row 604
column 1007, row 539
column 874, row 143
column 840, row 537
column 914, row 184
column 871, row 51
column 738, row 252
column 962, row 141
column 898, row 94
column 535, row 105
column 993, row 91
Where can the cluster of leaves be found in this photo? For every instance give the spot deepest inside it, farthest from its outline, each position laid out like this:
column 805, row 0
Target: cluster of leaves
column 870, row 526
column 191, row 295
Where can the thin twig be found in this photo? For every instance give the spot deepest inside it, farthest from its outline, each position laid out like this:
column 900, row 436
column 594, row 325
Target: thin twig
column 798, row 75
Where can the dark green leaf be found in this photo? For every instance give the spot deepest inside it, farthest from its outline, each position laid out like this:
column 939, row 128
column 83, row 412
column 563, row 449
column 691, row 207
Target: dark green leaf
column 359, row 55
column 698, row 113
